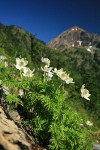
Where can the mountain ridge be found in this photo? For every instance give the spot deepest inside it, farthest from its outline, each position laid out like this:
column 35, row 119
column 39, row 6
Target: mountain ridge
column 75, row 37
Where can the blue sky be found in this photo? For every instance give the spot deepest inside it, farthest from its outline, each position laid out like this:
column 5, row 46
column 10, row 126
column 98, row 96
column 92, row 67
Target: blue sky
column 48, row 18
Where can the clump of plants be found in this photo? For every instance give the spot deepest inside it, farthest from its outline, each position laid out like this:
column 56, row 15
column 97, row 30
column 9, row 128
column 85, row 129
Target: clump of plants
column 43, row 96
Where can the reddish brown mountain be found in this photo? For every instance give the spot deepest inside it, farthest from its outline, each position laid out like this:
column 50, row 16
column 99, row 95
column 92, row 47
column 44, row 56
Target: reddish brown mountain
column 75, row 37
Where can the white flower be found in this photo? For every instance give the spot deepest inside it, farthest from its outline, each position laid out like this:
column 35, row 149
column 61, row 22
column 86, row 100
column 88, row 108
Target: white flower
column 46, row 61
column 89, row 48
column 80, row 42
column 58, row 72
column 85, row 92
column 46, row 68
column 20, row 92
column 63, row 75
column 21, row 63
column 49, row 75
column 6, row 64
column 27, row 72
column 89, row 123
column 55, row 70
column 69, row 79
column 6, row 90
column 2, row 58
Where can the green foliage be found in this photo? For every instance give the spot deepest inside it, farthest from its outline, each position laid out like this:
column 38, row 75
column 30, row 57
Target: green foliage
column 12, row 99
column 67, row 134
column 54, row 123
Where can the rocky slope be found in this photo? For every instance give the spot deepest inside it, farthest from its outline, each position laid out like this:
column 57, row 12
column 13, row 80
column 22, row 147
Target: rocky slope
column 13, row 137
column 75, row 37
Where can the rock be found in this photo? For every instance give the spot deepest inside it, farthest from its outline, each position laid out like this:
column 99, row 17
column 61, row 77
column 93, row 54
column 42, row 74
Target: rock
column 13, row 137
column 96, row 146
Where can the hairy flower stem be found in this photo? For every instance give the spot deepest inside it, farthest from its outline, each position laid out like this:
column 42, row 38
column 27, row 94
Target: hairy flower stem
column 21, row 74
column 62, row 85
column 44, row 76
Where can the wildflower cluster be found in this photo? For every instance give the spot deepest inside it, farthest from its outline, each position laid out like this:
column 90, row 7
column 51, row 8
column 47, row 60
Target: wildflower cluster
column 60, row 73
column 45, row 103
column 48, row 71
column 21, row 65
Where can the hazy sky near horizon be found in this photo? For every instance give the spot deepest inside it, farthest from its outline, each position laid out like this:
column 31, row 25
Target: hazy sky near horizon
column 48, row 18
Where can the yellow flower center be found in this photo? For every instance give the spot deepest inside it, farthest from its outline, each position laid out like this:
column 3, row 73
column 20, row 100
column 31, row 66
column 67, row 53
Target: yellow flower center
column 21, row 63
column 28, row 72
column 85, row 91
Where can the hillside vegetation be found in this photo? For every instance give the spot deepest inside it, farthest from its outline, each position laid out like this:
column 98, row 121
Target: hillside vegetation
column 52, row 108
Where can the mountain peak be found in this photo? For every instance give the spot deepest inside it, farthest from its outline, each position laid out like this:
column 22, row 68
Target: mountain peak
column 75, row 28
column 74, row 37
